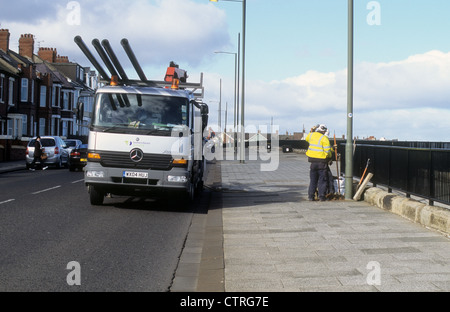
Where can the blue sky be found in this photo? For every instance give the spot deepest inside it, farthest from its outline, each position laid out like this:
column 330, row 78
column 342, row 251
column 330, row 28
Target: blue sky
column 296, row 56
column 312, row 35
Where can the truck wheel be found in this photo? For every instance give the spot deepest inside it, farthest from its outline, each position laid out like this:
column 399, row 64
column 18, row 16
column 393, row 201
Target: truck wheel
column 191, row 192
column 95, row 196
column 199, row 187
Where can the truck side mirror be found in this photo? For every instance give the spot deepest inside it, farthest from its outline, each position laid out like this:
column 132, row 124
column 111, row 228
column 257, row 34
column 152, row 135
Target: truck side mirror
column 204, row 110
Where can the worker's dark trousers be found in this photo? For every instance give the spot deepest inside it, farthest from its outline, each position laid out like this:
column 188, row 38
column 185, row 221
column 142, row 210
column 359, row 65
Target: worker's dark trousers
column 318, row 179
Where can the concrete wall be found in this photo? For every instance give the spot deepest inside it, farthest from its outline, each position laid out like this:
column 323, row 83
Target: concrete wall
column 433, row 217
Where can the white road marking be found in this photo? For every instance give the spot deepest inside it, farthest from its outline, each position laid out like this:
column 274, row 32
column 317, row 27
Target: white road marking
column 7, row 201
column 78, row 181
column 49, row 189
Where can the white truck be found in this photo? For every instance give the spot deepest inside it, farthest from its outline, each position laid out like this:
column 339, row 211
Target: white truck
column 146, row 137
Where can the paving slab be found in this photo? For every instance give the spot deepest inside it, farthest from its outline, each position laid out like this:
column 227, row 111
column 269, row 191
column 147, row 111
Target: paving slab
column 274, row 239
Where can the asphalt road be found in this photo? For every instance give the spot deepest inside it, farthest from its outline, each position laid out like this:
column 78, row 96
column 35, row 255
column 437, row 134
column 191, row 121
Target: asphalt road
column 52, row 239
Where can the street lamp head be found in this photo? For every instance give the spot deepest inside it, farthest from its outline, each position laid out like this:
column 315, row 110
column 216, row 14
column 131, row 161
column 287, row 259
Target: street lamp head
column 227, row 0
column 218, row 52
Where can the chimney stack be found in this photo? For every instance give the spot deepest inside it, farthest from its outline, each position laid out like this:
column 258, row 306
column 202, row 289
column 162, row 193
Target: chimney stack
column 62, row 59
column 4, row 39
column 47, row 54
column 26, row 45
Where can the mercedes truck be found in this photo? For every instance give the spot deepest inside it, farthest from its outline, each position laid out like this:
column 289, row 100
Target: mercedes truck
column 146, row 137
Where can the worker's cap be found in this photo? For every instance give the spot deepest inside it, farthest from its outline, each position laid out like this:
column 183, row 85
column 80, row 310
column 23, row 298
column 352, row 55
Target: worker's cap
column 322, row 128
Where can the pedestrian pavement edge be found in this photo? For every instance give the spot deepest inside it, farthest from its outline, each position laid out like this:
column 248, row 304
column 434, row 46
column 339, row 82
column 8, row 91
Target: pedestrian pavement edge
column 10, row 166
column 201, row 265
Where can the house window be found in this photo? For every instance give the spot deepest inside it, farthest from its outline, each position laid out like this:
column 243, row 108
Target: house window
column 81, row 75
column 24, row 125
column 32, row 92
column 11, row 92
column 9, row 127
column 71, row 100
column 55, row 125
column 53, row 96
column 43, row 96
column 14, row 126
column 33, row 126
column 65, row 128
column 24, row 90
column 41, row 126
column 2, row 81
column 65, row 100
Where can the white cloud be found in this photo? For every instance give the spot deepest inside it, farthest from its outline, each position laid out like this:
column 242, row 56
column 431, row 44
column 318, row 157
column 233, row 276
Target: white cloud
column 158, row 31
column 404, row 100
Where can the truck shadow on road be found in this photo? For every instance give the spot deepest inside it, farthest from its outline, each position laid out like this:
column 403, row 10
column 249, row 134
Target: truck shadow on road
column 162, row 203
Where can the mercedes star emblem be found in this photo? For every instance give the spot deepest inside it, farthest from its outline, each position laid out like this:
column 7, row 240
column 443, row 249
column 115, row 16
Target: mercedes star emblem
column 136, row 155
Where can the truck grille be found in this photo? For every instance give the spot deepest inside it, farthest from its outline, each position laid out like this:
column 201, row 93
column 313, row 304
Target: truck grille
column 149, row 161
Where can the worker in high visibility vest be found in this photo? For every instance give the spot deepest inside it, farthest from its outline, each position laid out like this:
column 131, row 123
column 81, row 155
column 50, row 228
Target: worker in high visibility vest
column 319, row 154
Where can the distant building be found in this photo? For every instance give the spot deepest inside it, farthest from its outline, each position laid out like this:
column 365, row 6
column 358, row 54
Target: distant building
column 294, row 136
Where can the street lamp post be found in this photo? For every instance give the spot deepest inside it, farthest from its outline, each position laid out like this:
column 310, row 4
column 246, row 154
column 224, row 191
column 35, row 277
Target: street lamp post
column 242, row 130
column 236, row 88
column 349, row 145
column 235, row 84
column 220, row 106
column 243, row 84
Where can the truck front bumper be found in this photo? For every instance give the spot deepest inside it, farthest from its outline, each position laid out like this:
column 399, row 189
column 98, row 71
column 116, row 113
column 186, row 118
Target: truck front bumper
column 123, row 181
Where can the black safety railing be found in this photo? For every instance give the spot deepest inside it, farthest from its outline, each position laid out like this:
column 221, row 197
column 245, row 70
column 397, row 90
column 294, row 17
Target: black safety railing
column 423, row 172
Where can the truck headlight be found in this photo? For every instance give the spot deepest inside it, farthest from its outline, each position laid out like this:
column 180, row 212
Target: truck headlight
column 179, row 179
column 95, row 174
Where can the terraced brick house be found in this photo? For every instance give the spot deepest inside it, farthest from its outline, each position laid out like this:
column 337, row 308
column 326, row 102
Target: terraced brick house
column 38, row 95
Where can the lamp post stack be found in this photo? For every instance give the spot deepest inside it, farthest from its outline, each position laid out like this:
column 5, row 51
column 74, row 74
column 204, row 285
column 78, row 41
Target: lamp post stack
column 242, row 125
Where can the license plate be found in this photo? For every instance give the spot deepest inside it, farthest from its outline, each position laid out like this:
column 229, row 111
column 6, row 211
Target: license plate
column 83, row 159
column 135, row 174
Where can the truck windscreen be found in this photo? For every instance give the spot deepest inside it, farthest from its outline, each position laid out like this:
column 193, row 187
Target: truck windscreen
column 140, row 113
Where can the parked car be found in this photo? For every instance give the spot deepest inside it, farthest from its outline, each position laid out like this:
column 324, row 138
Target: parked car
column 54, row 147
column 71, row 144
column 78, row 157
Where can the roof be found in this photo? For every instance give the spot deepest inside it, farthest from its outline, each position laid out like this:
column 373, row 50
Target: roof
column 8, row 64
column 59, row 78
column 20, row 59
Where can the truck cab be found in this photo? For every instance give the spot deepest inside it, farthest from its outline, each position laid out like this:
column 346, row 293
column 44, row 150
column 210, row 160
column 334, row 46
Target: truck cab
column 146, row 136
column 145, row 141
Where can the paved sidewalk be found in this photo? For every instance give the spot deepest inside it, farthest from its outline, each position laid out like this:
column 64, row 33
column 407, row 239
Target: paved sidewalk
column 8, row 166
column 275, row 240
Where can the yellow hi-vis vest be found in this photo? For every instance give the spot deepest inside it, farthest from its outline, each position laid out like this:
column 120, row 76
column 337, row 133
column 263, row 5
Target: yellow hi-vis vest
column 319, row 146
